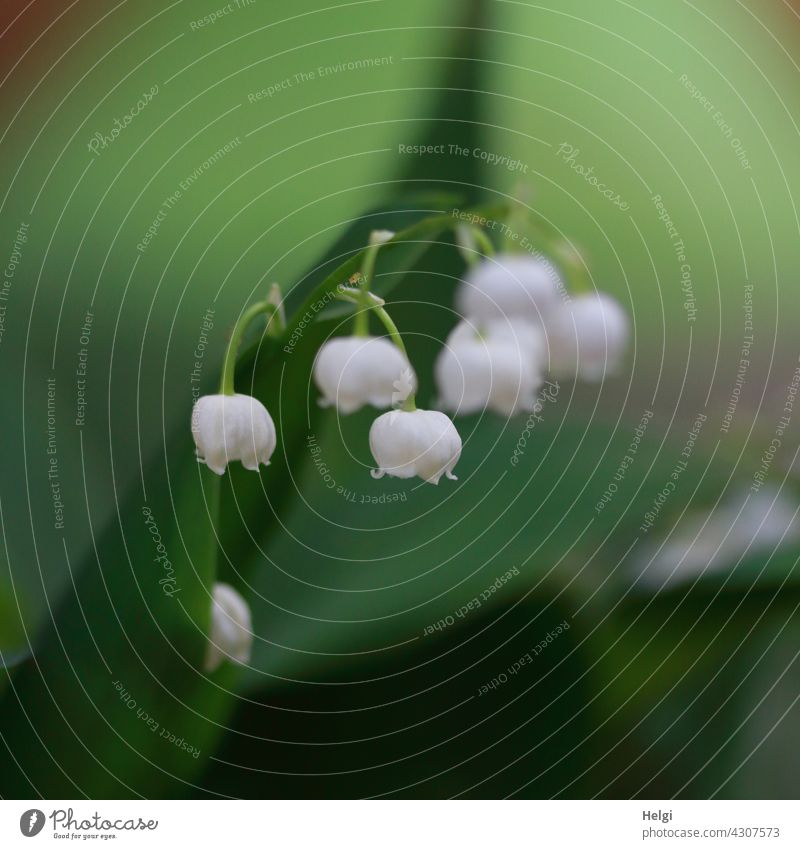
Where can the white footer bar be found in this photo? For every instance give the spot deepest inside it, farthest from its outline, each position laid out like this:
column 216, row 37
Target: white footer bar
column 401, row 824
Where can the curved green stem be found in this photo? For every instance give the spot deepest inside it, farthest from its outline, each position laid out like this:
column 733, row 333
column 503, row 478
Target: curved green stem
column 391, row 329
column 229, row 364
column 471, row 242
column 516, row 224
column 368, row 265
column 483, row 240
column 276, row 321
column 574, row 269
column 353, row 296
column 361, row 322
column 576, row 274
column 409, row 405
column 545, row 238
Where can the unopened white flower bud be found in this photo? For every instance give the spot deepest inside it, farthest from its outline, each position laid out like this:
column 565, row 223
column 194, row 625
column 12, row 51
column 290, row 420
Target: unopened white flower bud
column 508, row 286
column 419, row 442
column 352, row 371
column 587, row 337
column 231, row 633
column 499, row 369
column 380, row 237
column 232, row 427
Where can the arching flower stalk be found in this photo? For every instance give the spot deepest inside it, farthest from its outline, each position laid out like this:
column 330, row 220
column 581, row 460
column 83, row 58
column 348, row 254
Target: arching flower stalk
column 473, row 243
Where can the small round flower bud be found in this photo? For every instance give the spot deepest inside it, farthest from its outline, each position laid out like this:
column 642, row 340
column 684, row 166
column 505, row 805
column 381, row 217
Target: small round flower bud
column 352, row 371
column 232, row 427
column 419, row 442
column 508, row 286
column 500, row 369
column 587, row 338
column 380, row 237
column 231, row 635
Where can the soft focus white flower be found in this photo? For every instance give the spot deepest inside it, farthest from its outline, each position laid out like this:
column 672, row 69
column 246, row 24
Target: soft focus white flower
column 352, row 371
column 420, row 442
column 500, row 368
column 747, row 525
column 508, row 286
column 231, row 635
column 380, row 237
column 587, row 337
column 232, row 427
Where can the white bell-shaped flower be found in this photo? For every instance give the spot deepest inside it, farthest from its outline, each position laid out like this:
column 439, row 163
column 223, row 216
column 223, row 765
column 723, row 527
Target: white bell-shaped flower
column 499, row 368
column 587, row 337
column 352, row 371
column 232, row 427
column 419, row 442
column 231, row 634
column 509, row 286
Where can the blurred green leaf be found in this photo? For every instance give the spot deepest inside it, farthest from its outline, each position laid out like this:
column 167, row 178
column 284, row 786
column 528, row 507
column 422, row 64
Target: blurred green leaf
column 690, row 690
column 420, row 722
column 113, row 702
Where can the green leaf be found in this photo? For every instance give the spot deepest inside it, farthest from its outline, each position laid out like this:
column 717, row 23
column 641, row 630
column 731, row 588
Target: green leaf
column 114, row 702
column 389, row 560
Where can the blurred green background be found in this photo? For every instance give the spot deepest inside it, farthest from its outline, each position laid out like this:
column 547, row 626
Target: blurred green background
column 270, row 146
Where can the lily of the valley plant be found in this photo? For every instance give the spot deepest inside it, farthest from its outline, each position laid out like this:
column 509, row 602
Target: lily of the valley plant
column 517, row 323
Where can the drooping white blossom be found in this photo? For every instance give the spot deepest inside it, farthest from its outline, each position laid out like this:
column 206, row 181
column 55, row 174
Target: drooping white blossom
column 232, row 427
column 499, row 368
column 352, row 371
column 420, row 442
column 231, row 633
column 587, row 337
column 509, row 286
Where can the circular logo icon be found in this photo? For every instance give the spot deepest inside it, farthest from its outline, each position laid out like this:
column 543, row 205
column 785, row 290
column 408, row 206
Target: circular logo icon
column 31, row 822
